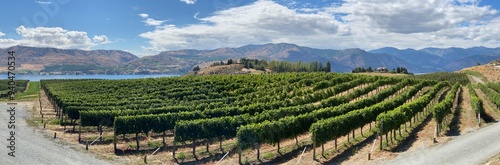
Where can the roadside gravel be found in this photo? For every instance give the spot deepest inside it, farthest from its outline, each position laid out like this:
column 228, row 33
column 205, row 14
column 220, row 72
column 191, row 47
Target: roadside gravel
column 472, row 148
column 34, row 147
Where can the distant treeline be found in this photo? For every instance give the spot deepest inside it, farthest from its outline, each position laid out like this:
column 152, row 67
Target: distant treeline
column 402, row 70
column 276, row 66
column 284, row 66
column 20, row 86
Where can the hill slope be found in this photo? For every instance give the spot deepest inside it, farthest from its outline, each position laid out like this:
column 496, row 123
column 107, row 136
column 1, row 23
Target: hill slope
column 36, row 59
column 342, row 60
column 182, row 61
column 449, row 59
column 490, row 71
column 417, row 61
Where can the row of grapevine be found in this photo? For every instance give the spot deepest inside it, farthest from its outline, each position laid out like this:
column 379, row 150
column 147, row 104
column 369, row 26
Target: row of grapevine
column 76, row 103
column 5, row 87
column 207, row 128
column 95, row 117
column 331, row 128
column 493, row 95
column 494, row 86
column 475, row 101
column 174, row 117
column 443, row 108
column 446, row 76
column 292, row 126
column 393, row 119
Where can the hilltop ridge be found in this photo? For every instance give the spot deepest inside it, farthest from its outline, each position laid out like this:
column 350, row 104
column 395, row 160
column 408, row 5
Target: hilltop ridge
column 52, row 60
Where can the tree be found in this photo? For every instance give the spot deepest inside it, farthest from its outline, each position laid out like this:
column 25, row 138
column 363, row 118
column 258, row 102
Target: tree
column 328, row 67
column 196, row 68
column 369, row 69
column 230, row 61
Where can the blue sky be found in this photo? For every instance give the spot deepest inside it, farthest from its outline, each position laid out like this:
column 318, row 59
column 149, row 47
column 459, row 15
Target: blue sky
column 147, row 27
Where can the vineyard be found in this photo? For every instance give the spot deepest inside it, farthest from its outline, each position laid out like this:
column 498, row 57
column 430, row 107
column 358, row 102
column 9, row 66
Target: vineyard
column 185, row 116
column 20, row 86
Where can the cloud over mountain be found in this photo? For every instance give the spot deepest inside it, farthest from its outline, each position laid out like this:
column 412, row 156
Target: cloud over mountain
column 366, row 24
column 56, row 37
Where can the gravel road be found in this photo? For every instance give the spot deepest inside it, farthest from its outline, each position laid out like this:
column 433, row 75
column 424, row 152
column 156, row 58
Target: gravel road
column 32, row 147
column 477, row 80
column 472, row 148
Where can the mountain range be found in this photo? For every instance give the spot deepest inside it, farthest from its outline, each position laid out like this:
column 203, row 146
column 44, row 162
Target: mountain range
column 52, row 60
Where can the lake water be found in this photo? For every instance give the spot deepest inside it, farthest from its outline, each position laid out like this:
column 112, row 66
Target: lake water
column 100, row 76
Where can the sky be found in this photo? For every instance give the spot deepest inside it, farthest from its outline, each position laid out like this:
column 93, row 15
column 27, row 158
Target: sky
column 147, row 27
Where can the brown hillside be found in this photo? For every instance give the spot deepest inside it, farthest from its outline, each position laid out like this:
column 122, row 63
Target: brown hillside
column 490, row 71
column 33, row 58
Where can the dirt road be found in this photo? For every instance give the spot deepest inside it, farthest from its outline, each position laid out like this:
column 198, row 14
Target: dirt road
column 472, row 148
column 477, row 80
column 31, row 146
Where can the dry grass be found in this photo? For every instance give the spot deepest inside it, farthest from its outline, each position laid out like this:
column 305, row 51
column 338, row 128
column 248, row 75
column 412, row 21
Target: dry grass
column 223, row 69
column 493, row 161
column 492, row 73
column 35, row 67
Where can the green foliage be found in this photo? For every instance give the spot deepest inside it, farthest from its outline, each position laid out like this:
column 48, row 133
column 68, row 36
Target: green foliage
column 19, row 87
column 196, row 68
column 71, row 68
column 31, row 92
column 493, row 95
column 402, row 70
column 475, row 101
column 446, row 76
column 180, row 156
column 393, row 119
column 443, row 108
column 340, row 125
column 263, row 108
column 284, row 66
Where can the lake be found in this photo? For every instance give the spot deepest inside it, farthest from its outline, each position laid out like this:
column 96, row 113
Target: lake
column 99, row 76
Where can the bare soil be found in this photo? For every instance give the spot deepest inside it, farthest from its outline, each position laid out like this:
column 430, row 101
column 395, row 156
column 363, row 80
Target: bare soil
column 492, row 73
column 494, row 160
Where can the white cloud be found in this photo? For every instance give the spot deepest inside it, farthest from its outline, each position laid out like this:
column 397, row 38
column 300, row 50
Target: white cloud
column 100, row 39
column 195, row 16
column 44, row 2
column 151, row 21
column 410, row 16
column 189, row 1
column 144, row 15
column 2, row 34
column 260, row 22
column 52, row 37
column 366, row 24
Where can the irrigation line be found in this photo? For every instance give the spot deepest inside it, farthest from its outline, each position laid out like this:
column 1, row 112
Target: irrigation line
column 301, row 155
column 155, row 151
column 95, row 140
column 373, row 145
column 222, row 157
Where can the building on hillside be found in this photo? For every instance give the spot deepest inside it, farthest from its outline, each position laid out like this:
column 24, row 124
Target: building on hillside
column 382, row 69
column 495, row 63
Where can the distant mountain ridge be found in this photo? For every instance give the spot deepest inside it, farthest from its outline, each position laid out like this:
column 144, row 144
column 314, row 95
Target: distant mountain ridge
column 36, row 59
column 449, row 59
column 182, row 61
